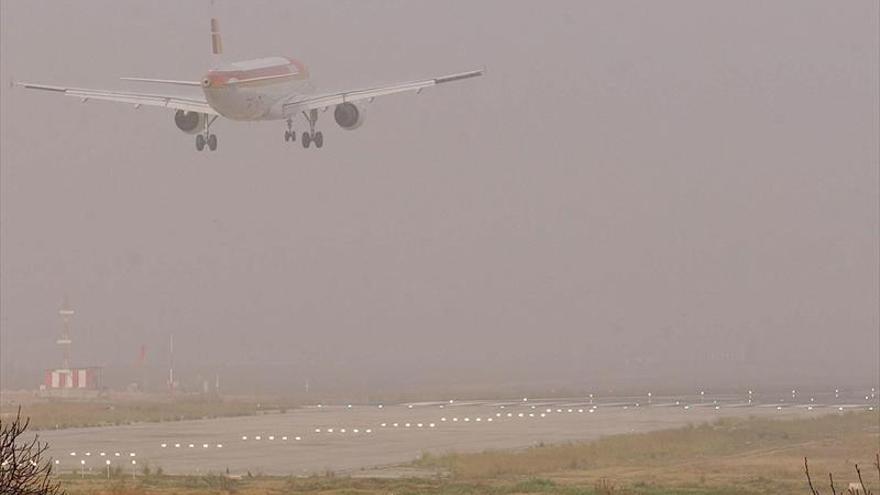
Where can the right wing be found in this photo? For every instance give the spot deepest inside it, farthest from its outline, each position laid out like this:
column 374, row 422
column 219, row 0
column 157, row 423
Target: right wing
column 312, row 102
column 136, row 99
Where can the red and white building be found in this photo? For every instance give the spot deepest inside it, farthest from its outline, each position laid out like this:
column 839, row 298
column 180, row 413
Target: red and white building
column 73, row 378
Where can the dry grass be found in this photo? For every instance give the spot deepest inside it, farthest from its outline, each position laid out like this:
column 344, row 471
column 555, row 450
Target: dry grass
column 721, row 439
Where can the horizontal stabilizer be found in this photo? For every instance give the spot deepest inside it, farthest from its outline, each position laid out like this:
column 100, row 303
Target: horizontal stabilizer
column 162, row 81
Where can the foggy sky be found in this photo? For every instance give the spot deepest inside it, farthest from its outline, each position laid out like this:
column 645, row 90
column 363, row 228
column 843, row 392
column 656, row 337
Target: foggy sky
column 682, row 191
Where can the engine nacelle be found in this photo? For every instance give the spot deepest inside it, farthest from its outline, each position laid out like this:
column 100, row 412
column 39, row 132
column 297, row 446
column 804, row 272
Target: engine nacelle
column 349, row 116
column 190, row 122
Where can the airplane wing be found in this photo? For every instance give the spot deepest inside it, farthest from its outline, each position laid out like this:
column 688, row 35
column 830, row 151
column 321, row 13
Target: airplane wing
column 310, row 102
column 136, row 99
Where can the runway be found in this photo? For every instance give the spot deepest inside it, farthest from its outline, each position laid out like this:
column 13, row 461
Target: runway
column 352, row 438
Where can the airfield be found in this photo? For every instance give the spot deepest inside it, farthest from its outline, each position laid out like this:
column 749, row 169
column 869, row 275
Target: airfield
column 373, row 440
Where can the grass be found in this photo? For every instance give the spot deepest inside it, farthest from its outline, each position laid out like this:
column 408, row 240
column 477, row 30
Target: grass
column 666, row 448
column 726, row 457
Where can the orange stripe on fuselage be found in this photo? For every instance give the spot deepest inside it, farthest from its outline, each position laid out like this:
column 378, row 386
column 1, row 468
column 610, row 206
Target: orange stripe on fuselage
column 296, row 69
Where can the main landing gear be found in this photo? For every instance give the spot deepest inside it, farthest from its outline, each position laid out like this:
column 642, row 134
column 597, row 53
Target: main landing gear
column 307, row 137
column 206, row 137
column 311, row 136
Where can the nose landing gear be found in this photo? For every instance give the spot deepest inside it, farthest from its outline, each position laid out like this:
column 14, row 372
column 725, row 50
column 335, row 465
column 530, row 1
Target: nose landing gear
column 289, row 134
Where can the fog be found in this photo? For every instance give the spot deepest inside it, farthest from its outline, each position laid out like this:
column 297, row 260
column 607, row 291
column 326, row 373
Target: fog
column 678, row 194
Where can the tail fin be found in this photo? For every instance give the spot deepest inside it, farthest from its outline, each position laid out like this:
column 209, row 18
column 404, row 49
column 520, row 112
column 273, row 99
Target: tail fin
column 216, row 40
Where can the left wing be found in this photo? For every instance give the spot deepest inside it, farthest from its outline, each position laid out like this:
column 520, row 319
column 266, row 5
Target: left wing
column 136, row 99
column 310, row 102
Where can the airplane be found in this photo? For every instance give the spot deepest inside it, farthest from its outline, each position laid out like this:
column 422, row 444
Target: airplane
column 271, row 88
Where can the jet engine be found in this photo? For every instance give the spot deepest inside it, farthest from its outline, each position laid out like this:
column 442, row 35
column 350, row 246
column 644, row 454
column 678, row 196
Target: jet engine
column 190, row 122
column 349, row 116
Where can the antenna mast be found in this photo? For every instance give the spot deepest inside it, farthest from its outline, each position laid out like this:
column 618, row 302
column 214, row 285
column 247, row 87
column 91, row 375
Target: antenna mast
column 64, row 341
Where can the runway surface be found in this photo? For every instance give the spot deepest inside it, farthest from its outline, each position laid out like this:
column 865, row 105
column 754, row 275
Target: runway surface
column 348, row 439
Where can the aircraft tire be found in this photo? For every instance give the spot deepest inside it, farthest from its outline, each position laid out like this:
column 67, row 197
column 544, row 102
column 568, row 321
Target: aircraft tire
column 212, row 142
column 306, row 139
column 319, row 139
column 200, row 142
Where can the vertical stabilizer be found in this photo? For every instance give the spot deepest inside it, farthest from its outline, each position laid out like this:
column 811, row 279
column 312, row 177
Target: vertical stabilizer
column 216, row 40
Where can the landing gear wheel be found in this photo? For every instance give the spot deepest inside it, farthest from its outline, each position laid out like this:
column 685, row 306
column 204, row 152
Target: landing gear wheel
column 286, row 136
column 200, row 142
column 306, row 139
column 319, row 139
column 212, row 142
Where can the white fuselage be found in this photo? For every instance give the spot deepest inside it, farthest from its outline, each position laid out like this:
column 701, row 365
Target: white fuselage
column 255, row 89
